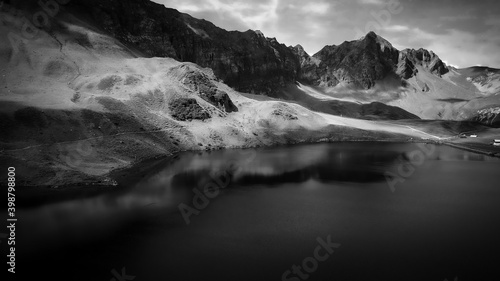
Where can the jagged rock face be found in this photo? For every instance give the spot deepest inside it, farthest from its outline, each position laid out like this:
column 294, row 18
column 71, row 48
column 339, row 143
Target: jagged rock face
column 221, row 100
column 406, row 68
column 200, row 83
column 303, row 56
column 363, row 62
column 187, row 109
column 247, row 61
column 424, row 58
column 308, row 65
column 360, row 63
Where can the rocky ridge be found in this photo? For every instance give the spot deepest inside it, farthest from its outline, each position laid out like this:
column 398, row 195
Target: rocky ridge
column 361, row 63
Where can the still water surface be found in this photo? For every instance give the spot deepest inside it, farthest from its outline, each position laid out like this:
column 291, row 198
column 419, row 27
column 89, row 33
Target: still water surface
column 441, row 221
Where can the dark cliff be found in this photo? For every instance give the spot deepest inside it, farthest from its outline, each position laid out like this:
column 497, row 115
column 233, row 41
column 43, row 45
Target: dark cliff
column 247, row 61
column 410, row 58
column 360, row 63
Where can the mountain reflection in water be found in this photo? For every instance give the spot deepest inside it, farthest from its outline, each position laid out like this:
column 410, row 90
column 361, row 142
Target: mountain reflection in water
column 441, row 221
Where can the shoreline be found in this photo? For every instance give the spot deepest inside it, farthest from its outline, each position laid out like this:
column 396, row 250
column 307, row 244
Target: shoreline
column 474, row 150
column 126, row 177
column 115, row 179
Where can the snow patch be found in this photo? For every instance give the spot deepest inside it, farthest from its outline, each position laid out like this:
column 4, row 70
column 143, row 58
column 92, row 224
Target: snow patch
column 199, row 32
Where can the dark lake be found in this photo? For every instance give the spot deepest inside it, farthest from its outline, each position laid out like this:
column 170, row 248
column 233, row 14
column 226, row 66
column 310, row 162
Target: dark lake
column 392, row 211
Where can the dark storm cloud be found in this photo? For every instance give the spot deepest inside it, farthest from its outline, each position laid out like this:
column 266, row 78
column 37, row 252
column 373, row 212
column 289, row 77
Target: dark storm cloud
column 462, row 32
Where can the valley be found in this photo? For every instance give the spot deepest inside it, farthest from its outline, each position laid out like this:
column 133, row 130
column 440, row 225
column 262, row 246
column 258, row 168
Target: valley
column 89, row 95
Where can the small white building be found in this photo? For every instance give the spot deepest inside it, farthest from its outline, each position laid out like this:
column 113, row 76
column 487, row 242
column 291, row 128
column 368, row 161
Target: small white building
column 473, row 136
column 496, row 143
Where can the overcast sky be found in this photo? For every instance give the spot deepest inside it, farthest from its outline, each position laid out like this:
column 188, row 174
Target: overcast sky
column 462, row 32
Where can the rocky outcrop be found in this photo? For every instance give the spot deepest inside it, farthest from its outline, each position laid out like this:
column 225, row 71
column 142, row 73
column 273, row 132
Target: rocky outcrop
column 426, row 88
column 200, row 83
column 247, row 61
column 363, row 62
column 406, row 68
column 308, row 65
column 359, row 63
column 220, row 99
column 410, row 58
column 187, row 109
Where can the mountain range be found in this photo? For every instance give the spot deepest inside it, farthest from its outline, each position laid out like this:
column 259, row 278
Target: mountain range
column 361, row 71
column 107, row 83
